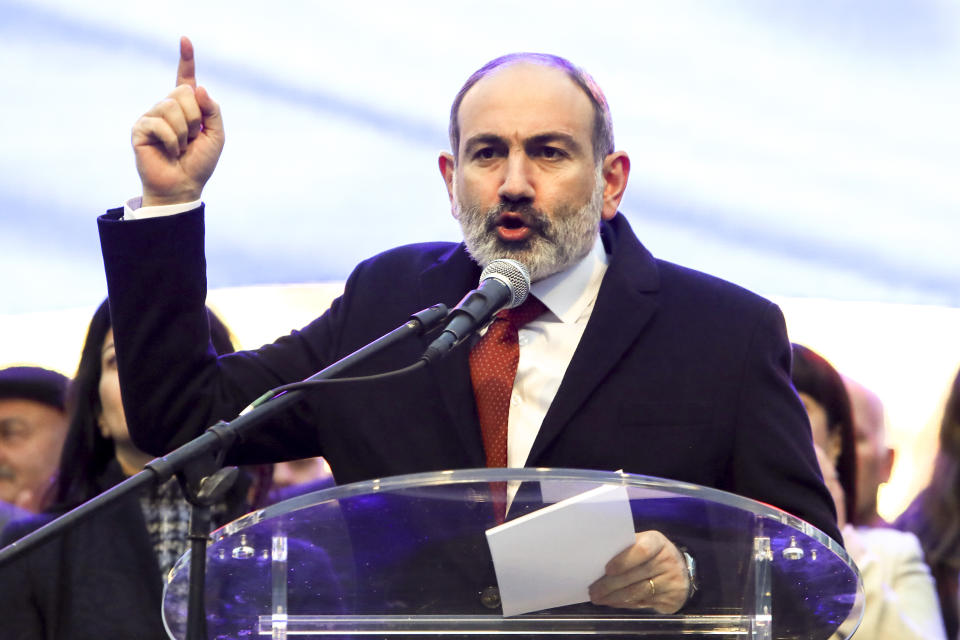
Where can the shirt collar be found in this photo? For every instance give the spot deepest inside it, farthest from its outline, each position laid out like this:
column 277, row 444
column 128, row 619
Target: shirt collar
column 571, row 292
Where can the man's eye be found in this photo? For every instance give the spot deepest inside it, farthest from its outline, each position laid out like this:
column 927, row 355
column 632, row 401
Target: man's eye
column 551, row 153
column 487, row 153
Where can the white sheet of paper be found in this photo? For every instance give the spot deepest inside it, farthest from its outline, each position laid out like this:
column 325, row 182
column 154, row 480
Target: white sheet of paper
column 549, row 557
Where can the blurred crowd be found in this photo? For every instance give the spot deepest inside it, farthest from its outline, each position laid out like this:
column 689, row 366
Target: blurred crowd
column 64, row 441
column 909, row 567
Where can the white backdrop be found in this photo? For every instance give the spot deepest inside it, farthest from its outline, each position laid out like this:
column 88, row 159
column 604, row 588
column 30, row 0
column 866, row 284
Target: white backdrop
column 798, row 147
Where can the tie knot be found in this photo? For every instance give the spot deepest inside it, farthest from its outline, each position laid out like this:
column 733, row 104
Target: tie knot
column 530, row 310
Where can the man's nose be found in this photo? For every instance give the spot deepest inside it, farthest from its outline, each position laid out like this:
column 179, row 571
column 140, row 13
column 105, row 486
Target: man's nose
column 517, row 179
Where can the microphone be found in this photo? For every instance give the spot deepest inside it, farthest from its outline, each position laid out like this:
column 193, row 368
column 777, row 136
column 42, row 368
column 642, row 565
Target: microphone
column 504, row 284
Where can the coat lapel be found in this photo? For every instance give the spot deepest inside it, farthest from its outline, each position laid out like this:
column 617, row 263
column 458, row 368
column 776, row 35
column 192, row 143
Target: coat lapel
column 625, row 304
column 447, row 281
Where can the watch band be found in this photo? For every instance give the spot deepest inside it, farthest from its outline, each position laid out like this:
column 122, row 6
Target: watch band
column 691, row 573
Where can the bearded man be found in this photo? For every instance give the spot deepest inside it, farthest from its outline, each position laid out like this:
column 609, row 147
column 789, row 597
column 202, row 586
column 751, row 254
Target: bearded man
column 632, row 363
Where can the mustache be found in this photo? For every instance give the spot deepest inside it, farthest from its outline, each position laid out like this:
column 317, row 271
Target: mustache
column 531, row 217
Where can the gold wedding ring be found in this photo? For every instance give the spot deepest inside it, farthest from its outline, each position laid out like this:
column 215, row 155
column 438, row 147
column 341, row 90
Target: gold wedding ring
column 653, row 588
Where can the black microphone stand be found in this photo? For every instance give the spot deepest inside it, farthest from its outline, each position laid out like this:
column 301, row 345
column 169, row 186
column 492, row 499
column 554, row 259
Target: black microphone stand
column 190, row 460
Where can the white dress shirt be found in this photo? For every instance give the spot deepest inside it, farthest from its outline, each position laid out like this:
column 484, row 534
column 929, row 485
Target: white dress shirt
column 547, row 345
column 133, row 211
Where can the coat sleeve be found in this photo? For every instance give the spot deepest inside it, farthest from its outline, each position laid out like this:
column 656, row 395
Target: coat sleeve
column 173, row 383
column 774, row 460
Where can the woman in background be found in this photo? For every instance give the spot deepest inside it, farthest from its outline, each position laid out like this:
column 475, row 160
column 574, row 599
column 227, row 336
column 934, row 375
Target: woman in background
column 825, row 398
column 103, row 579
column 934, row 515
column 900, row 602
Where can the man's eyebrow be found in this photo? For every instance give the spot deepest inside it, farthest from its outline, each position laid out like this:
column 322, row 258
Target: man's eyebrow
column 555, row 136
column 483, row 138
column 539, row 139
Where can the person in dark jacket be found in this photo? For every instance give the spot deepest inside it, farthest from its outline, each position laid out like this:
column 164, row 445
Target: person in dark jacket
column 632, row 363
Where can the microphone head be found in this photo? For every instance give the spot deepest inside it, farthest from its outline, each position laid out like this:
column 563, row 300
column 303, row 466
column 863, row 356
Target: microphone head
column 513, row 274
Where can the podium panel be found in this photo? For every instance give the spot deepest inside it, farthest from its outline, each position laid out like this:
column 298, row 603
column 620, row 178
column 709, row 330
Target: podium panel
column 408, row 556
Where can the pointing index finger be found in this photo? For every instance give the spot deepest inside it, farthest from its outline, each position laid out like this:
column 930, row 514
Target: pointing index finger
column 186, row 70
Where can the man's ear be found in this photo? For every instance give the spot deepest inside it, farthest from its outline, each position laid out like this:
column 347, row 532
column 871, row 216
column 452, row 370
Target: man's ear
column 447, row 170
column 616, row 171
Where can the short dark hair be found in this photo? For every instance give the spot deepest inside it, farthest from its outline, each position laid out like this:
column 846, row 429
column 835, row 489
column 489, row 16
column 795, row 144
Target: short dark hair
column 602, row 122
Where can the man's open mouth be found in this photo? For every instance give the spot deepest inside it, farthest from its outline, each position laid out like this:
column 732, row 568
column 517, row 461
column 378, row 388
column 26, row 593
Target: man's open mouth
column 511, row 221
column 512, row 227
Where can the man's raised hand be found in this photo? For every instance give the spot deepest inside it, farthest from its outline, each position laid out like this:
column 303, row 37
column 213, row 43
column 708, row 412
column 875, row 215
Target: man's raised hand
column 178, row 141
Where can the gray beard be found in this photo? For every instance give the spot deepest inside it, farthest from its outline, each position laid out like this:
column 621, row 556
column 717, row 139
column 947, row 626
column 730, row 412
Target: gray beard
column 557, row 241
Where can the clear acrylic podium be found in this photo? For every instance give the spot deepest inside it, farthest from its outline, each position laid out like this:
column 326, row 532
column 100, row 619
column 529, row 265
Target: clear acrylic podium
column 407, row 556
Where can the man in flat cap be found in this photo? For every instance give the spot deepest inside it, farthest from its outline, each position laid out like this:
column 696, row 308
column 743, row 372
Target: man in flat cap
column 33, row 425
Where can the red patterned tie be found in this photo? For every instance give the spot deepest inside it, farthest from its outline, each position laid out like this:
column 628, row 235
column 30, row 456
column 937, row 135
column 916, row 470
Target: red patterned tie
column 493, row 368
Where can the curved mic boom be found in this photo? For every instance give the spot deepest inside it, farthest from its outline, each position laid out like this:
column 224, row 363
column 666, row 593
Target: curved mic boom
column 504, row 284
